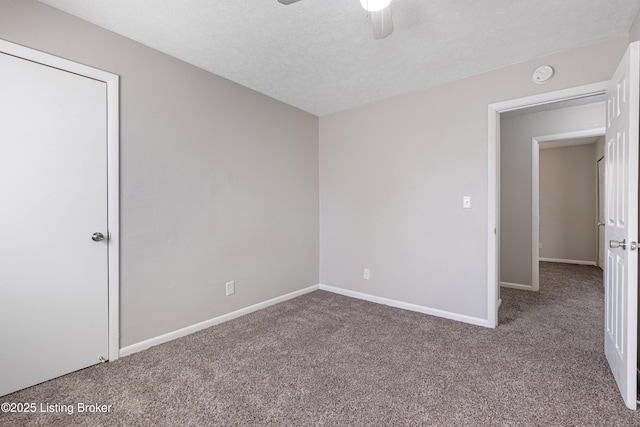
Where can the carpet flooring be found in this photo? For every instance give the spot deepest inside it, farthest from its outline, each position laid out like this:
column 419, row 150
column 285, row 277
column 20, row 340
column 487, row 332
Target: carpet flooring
column 328, row 360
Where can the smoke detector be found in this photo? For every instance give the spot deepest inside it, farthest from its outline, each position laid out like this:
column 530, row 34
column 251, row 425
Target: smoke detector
column 542, row 74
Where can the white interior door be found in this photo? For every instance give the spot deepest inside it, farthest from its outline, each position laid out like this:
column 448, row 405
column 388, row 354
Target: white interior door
column 621, row 231
column 53, row 196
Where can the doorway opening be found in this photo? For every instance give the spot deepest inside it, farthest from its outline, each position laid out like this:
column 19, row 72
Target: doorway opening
column 565, row 212
column 565, row 133
column 541, row 102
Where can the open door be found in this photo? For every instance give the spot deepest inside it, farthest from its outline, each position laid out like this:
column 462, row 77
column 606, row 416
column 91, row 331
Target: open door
column 621, row 230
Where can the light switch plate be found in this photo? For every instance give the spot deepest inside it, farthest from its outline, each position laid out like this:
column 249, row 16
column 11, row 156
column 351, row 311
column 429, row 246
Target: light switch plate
column 466, row 202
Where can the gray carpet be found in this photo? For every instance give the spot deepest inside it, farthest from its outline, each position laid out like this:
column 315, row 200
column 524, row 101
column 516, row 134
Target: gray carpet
column 325, row 359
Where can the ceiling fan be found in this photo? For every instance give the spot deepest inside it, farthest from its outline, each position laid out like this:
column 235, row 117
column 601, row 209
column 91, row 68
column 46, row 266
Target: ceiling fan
column 380, row 11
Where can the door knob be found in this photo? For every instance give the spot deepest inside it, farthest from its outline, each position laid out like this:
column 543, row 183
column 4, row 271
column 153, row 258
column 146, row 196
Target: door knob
column 601, row 224
column 97, row 237
column 613, row 244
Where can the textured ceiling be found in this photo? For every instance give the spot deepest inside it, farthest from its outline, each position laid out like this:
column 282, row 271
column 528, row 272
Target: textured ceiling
column 320, row 55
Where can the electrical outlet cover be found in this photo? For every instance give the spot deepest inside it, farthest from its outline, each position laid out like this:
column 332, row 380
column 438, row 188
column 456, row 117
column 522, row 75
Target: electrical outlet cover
column 231, row 288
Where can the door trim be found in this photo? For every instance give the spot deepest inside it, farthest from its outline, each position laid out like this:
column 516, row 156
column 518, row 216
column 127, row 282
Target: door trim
column 535, row 194
column 113, row 168
column 493, row 172
column 600, row 244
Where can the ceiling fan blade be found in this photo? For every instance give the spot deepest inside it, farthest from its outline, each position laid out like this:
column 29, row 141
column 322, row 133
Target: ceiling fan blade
column 382, row 23
column 287, row 1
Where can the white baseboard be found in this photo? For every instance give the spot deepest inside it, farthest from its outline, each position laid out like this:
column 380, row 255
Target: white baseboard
column 568, row 261
column 143, row 345
column 407, row 306
column 516, row 286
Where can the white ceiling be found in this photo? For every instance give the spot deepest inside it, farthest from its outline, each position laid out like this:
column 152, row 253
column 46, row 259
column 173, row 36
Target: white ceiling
column 320, row 56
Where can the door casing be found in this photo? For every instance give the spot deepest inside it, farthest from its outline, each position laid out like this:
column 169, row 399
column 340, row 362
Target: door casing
column 600, row 171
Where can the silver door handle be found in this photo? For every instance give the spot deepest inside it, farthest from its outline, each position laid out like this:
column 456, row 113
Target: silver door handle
column 97, row 237
column 613, row 244
column 601, row 224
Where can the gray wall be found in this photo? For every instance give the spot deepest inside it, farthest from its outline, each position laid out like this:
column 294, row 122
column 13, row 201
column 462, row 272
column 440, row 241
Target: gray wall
column 393, row 174
column 599, row 148
column 634, row 31
column 568, row 208
column 515, row 180
column 218, row 182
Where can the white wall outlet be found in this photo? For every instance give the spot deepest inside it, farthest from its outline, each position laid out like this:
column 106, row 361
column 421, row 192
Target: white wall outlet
column 466, row 202
column 366, row 274
column 231, row 288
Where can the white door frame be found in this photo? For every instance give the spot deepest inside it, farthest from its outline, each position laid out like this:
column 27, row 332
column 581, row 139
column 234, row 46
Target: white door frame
column 535, row 193
column 113, row 156
column 493, row 190
column 600, row 203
